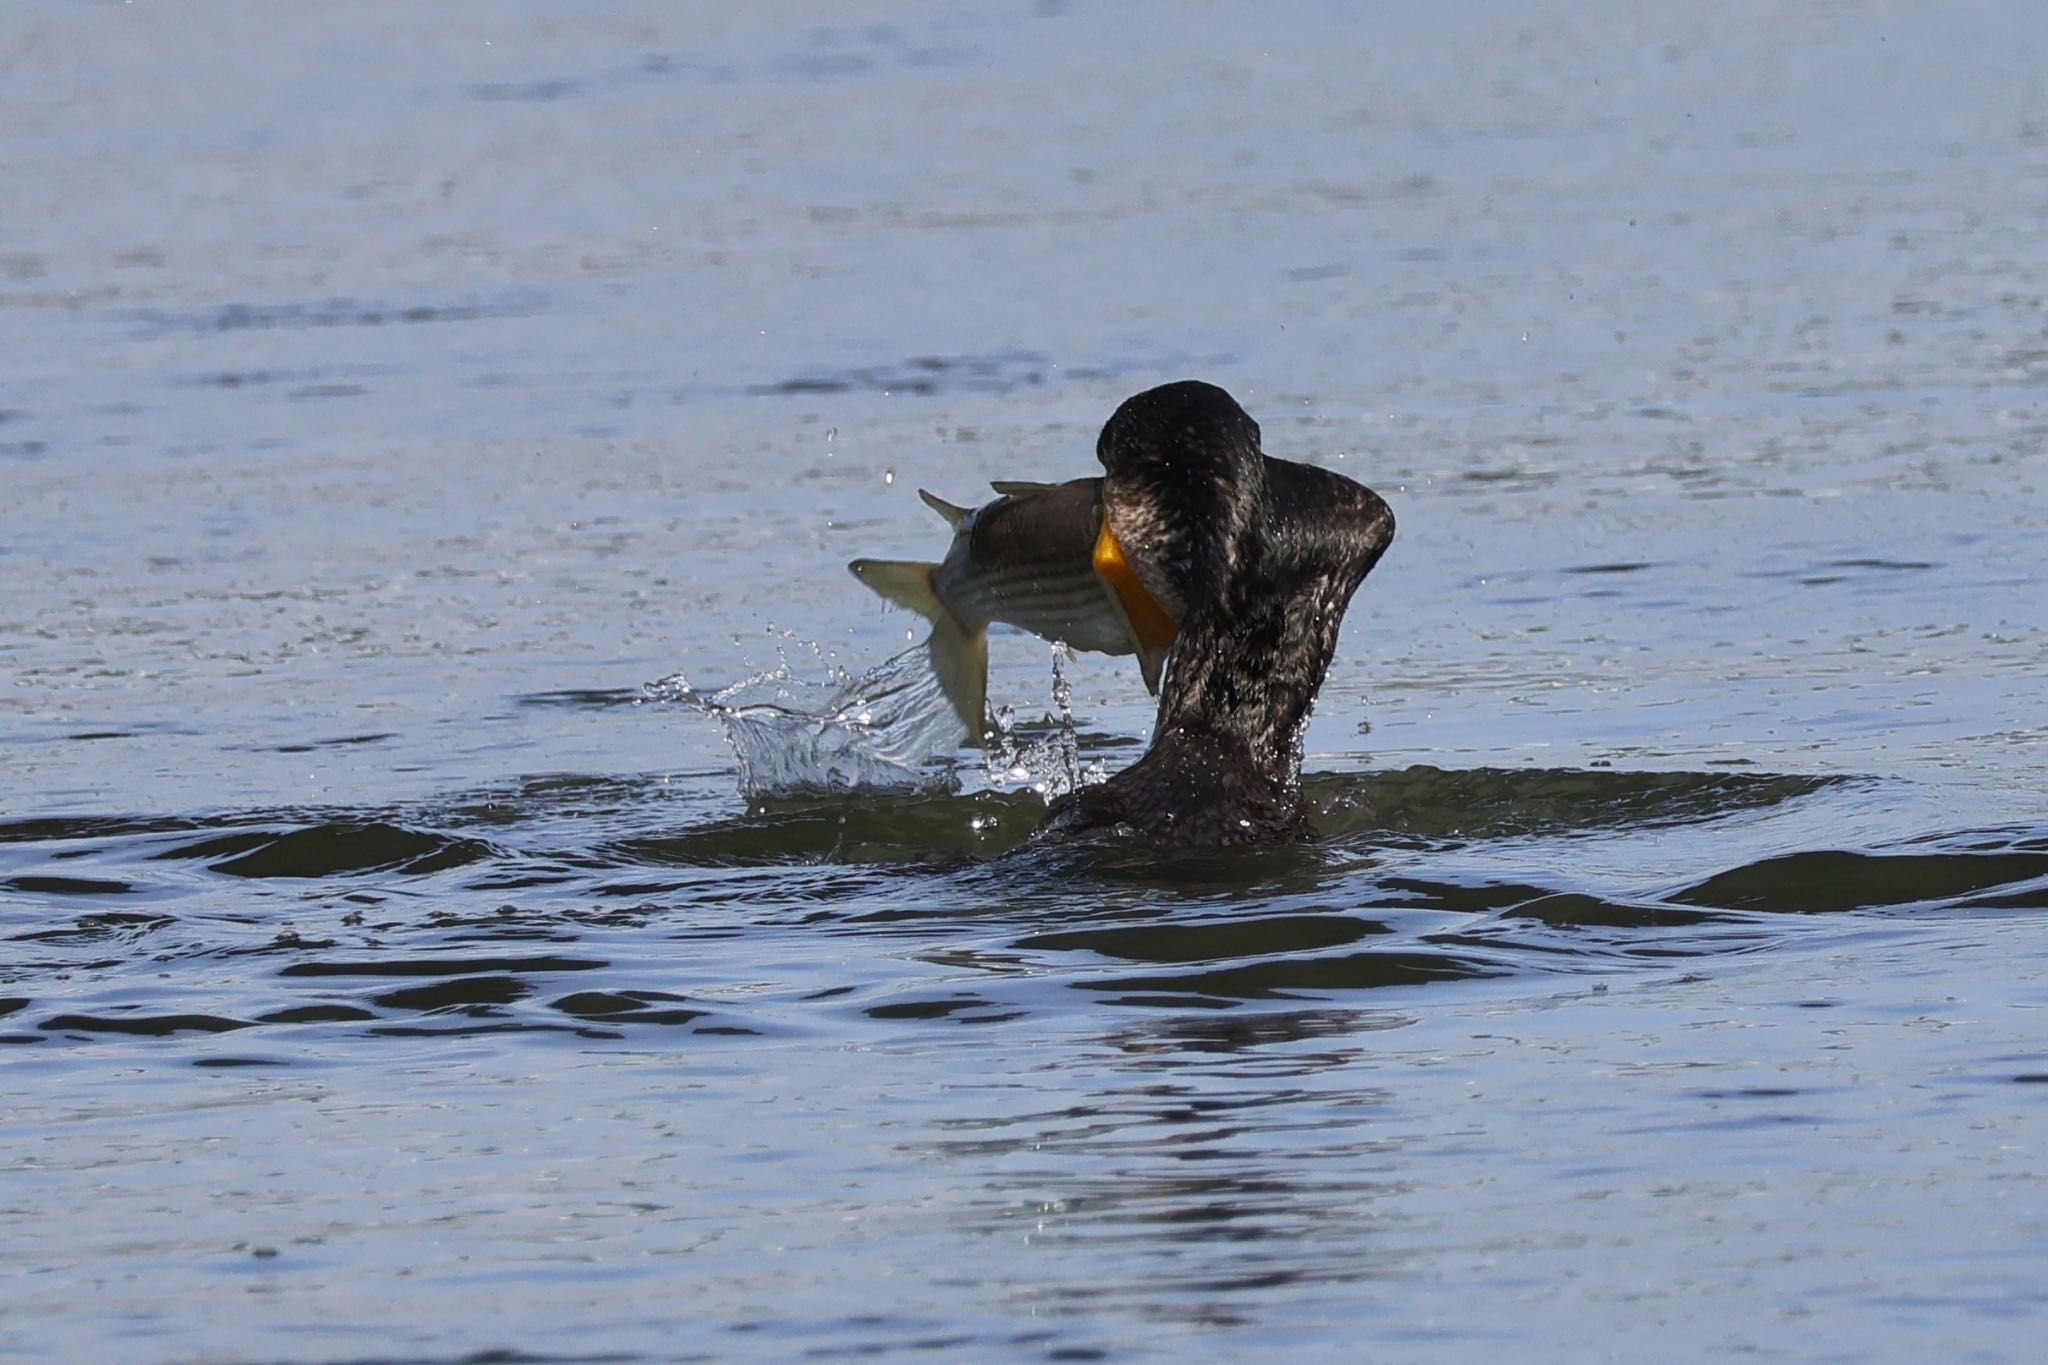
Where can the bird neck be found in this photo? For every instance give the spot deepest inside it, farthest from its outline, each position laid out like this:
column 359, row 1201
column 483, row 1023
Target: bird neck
column 1249, row 662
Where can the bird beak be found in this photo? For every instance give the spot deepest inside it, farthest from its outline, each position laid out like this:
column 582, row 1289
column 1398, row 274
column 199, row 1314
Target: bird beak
column 1150, row 626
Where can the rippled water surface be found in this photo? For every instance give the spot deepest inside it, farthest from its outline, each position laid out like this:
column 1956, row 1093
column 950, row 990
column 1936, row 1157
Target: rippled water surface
column 390, row 393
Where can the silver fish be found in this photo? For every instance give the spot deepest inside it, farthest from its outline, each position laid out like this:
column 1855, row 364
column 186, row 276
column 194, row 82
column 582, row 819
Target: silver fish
column 1040, row 557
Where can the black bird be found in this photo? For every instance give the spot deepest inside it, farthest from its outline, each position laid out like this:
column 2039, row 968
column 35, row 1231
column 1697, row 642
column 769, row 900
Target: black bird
column 1257, row 558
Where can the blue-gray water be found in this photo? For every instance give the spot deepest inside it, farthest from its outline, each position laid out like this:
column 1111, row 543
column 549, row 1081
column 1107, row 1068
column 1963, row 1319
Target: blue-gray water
column 388, row 392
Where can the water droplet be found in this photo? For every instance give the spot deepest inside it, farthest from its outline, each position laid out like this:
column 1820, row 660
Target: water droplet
column 888, row 476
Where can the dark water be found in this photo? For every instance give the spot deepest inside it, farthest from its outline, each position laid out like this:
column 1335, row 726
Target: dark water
column 390, row 392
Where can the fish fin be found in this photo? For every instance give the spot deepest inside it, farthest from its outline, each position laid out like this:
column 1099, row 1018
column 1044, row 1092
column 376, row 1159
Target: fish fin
column 960, row 660
column 1020, row 488
column 1152, row 663
column 905, row 582
column 953, row 515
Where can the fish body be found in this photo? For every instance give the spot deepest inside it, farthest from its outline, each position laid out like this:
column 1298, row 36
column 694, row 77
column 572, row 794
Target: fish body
column 1041, row 558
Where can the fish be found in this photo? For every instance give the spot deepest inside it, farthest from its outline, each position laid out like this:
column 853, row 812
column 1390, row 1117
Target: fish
column 1040, row 557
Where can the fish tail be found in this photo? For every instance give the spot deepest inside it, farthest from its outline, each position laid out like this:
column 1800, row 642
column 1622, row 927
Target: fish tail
column 960, row 659
column 905, row 582
column 959, row 656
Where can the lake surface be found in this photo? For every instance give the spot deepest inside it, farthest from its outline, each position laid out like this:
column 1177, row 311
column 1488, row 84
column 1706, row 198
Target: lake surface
column 390, row 393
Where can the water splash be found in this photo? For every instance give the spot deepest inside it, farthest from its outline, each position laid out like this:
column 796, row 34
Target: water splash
column 889, row 729
column 1051, row 764
column 794, row 736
